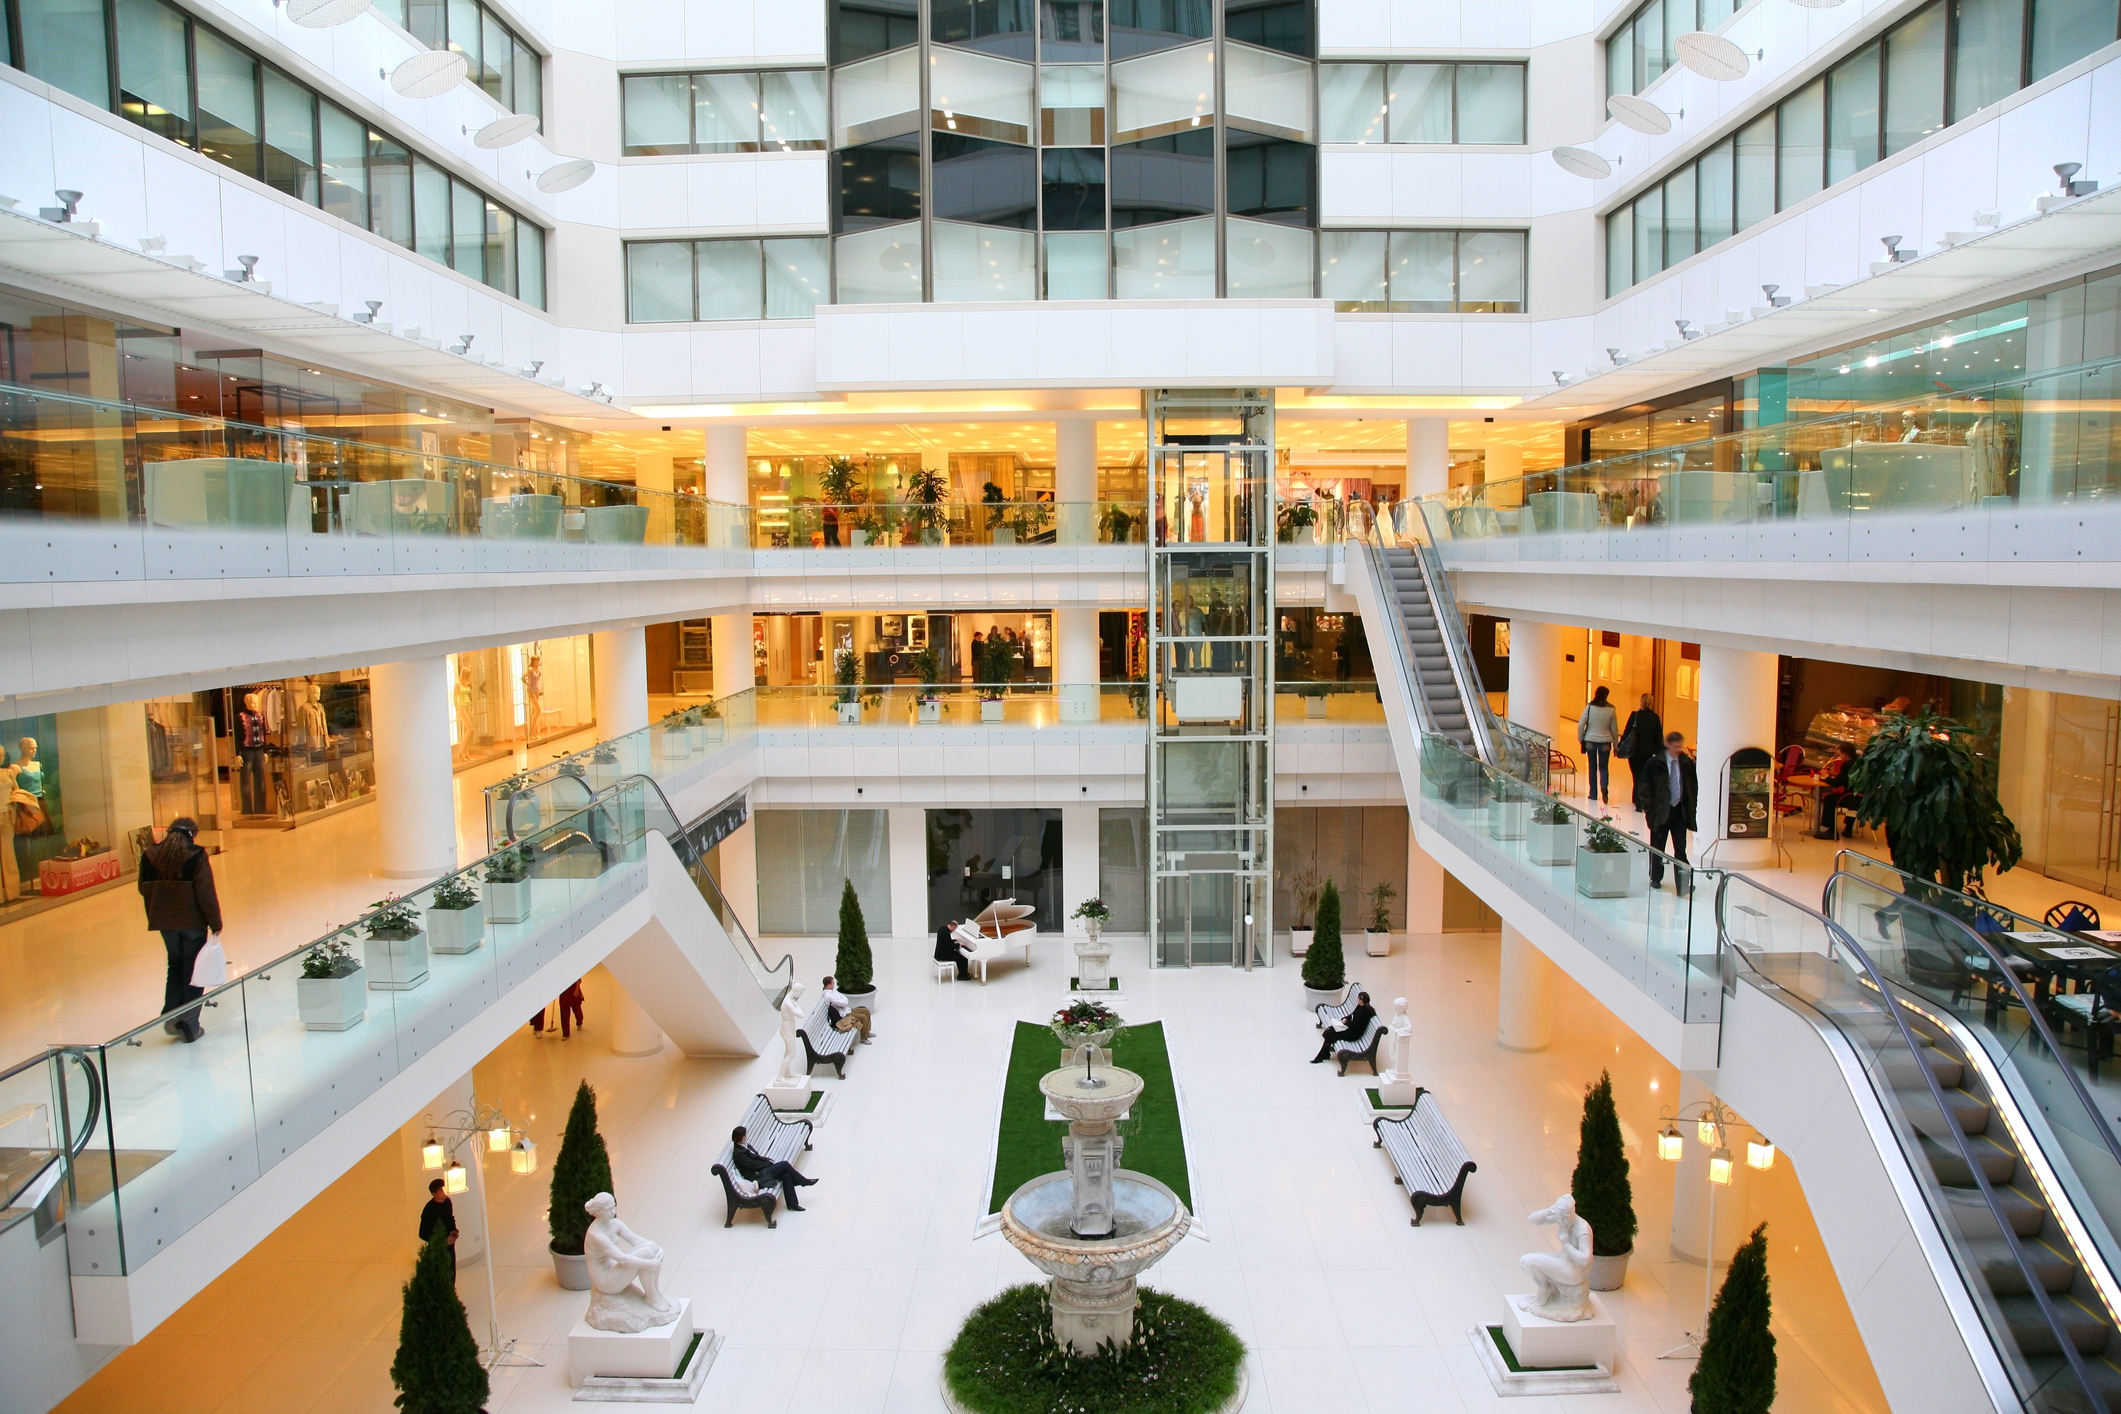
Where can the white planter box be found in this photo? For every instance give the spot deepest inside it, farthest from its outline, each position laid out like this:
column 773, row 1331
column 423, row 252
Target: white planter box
column 395, row 964
column 508, row 903
column 1551, row 844
column 1299, row 941
column 930, row 713
column 1004, row 535
column 332, row 1003
column 857, row 538
column 711, row 731
column 1604, row 875
column 1314, row 707
column 850, row 714
column 1507, row 819
column 1376, row 944
column 456, row 930
column 673, row 746
column 990, row 710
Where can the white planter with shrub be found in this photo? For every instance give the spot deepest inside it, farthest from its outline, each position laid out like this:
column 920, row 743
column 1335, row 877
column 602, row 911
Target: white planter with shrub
column 331, row 994
column 990, row 710
column 1507, row 819
column 394, row 953
column 1603, row 874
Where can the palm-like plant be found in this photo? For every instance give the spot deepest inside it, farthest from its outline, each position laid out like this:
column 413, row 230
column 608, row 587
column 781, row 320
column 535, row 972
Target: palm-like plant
column 1921, row 779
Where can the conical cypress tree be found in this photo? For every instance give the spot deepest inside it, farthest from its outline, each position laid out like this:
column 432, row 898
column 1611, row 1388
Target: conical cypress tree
column 1324, row 967
column 1736, row 1374
column 1604, row 1198
column 853, row 969
column 437, row 1370
column 582, row 1171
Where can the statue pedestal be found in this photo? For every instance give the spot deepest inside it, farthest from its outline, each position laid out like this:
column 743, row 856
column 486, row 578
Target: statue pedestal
column 1541, row 1344
column 1397, row 1089
column 794, row 1096
column 652, row 1354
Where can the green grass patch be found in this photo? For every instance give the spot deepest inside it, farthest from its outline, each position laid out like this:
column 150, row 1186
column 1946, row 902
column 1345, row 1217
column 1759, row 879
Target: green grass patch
column 690, row 1351
column 1027, row 1144
column 1005, row 1361
column 817, row 1097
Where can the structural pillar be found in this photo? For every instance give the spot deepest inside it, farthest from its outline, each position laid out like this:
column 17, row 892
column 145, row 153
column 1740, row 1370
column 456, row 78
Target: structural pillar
column 726, row 481
column 1738, row 690
column 1693, row 1196
column 1075, row 660
column 633, row 1031
column 909, row 870
column 1524, row 1003
column 730, row 635
column 619, row 659
column 655, row 479
column 1535, row 686
column 415, row 792
column 1424, row 887
column 1428, row 455
column 1075, row 480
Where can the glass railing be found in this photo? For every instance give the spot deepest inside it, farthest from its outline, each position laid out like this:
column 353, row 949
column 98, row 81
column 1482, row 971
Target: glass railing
column 783, row 524
column 51, row 1108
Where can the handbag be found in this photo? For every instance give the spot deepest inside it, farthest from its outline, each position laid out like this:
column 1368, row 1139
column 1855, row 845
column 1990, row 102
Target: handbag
column 1625, row 748
column 211, row 968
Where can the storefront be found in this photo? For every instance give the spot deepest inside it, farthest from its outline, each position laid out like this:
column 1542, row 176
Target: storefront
column 505, row 700
column 802, row 649
column 978, row 856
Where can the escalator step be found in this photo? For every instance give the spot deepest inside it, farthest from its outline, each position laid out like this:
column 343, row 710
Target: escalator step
column 2028, row 1219
column 2087, row 1329
column 1998, row 1164
column 2057, row 1270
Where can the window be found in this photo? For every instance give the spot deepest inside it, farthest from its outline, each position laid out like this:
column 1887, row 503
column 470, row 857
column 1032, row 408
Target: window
column 1163, row 178
column 678, row 282
column 776, row 110
column 806, row 858
column 1638, row 53
column 1422, row 103
column 996, row 26
column 64, row 43
column 496, row 58
column 1423, row 272
column 291, row 138
column 994, row 183
column 861, row 28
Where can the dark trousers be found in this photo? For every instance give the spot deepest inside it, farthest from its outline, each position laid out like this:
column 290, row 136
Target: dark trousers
column 1671, row 838
column 251, row 794
column 781, row 1172
column 964, row 968
column 1598, row 770
column 570, row 1013
column 1334, row 1035
column 182, row 945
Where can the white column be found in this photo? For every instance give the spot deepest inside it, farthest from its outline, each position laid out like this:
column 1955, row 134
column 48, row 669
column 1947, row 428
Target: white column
column 654, row 477
column 1075, row 660
column 738, row 860
column 728, row 481
column 1075, row 480
column 909, row 871
column 633, row 1031
column 415, row 797
column 1535, row 686
column 1737, row 710
column 619, row 663
column 1424, row 888
column 1524, row 1003
column 1428, row 455
column 1079, row 870
column 1692, row 1194
column 731, row 635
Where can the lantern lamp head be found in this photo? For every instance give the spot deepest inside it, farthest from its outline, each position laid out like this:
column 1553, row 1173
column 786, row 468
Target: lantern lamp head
column 1720, row 1166
column 524, row 1157
column 1670, row 1146
column 431, row 1155
column 1705, row 1130
column 454, row 1179
column 1760, row 1154
column 498, row 1138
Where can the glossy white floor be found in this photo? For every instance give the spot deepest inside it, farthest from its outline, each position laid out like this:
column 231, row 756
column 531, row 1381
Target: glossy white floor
column 847, row 1307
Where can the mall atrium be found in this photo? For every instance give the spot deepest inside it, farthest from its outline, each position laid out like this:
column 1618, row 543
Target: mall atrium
column 860, row 626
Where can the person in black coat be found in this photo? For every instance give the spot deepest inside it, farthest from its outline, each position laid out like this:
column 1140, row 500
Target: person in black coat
column 1352, row 1029
column 1644, row 738
column 948, row 949
column 439, row 1212
column 761, row 1170
column 1671, row 796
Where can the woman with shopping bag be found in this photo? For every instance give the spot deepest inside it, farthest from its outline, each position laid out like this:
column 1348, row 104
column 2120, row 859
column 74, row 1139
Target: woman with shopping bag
column 177, row 886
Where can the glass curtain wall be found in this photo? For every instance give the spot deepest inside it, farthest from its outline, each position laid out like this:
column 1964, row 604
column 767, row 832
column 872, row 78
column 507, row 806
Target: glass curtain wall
column 806, row 857
column 1211, row 679
column 497, row 59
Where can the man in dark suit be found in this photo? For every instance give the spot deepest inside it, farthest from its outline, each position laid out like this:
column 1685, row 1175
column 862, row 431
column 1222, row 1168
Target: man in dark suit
column 1350, row 1030
column 948, row 949
column 760, row 1170
column 1672, row 793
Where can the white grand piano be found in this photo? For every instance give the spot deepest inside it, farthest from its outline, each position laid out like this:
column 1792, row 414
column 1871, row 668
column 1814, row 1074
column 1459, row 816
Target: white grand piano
column 1002, row 927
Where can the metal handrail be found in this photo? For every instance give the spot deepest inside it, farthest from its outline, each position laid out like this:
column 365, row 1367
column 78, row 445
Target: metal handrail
column 1373, row 555
column 70, row 1146
column 696, row 867
column 1448, row 623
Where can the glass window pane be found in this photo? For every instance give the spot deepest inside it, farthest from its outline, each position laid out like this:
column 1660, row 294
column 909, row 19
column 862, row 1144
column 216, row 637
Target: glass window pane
column 390, row 198
column 345, row 173
column 1800, row 132
column 1351, row 103
column 496, row 67
column 879, row 182
column 1649, row 233
column 1678, row 216
column 882, row 266
column 1071, row 29
column 1074, row 188
column 1272, row 24
column 659, row 282
column 1620, row 62
column 1852, row 115
column 658, row 114
column 792, row 110
column 2064, row 31
column 996, row 26
column 1076, row 267
column 1139, row 26
column 1490, row 103
column 798, row 277
column 228, row 101
column 530, row 263
column 1619, row 250
column 1420, row 268
column 877, row 98
column 1419, row 97
column 154, row 77
column 1715, row 12
column 1650, row 54
column 1985, row 60
column 424, row 21
column 464, row 32
column 1714, row 173
column 500, row 248
column 1176, row 261
column 1269, row 91
column 1071, row 101
column 982, row 263
column 430, row 205
column 467, row 236
column 1491, row 272
column 1164, row 93
column 1270, row 177
column 805, row 858
column 291, row 139
column 1916, row 79
column 1351, row 270
column 528, row 86
column 977, row 96
column 63, row 44
column 1163, row 177
column 991, row 182
column 864, row 27
column 730, row 280
column 725, row 112
column 1756, row 171
column 1267, row 261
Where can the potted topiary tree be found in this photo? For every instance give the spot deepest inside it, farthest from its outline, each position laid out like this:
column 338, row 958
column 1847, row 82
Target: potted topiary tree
column 1736, row 1372
column 1921, row 780
column 437, row 1369
column 995, row 669
column 508, row 886
column 1325, row 970
column 1604, row 1197
column 847, row 673
column 330, row 995
column 1377, row 938
column 1605, row 866
column 928, row 667
column 582, row 1171
column 853, row 967
column 1550, row 837
column 1305, row 887
column 394, row 951
column 456, row 920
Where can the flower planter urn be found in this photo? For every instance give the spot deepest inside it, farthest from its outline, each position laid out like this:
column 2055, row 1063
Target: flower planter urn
column 931, row 711
column 506, row 902
column 990, row 710
column 1314, row 707
column 1551, row 844
column 1299, row 941
column 1609, row 1273
column 395, row 964
column 573, row 1271
column 850, row 713
column 1507, row 819
column 332, row 1003
column 1093, row 959
column 867, row 999
column 1376, row 944
column 456, row 930
column 1603, row 875
column 1072, row 1043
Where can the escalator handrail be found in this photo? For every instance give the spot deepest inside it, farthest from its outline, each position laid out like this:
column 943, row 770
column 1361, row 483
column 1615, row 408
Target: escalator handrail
column 70, row 1145
column 1999, row 967
column 508, row 818
column 700, row 876
column 1842, row 939
column 1409, row 679
column 1445, row 606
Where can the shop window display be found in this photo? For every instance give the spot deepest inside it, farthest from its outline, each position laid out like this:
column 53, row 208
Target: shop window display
column 302, row 746
column 978, row 856
column 503, row 700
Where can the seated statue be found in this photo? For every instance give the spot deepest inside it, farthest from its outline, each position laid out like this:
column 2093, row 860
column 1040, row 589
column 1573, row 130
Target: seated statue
column 625, row 1274
column 1561, row 1280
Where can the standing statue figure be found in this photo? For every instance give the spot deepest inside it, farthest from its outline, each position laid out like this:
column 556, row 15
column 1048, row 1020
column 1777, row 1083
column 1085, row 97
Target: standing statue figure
column 625, row 1274
column 1562, row 1281
column 793, row 1071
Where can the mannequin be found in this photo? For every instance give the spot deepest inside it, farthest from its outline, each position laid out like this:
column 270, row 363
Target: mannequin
column 310, row 726
column 29, row 771
column 251, row 738
column 10, row 875
column 465, row 734
column 533, row 693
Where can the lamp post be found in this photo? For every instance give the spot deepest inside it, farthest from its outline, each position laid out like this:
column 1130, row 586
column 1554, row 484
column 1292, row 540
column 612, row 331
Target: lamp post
column 481, row 1129
column 1713, row 1123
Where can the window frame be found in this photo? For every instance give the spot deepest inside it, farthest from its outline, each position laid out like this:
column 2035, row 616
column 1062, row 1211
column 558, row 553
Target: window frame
column 1457, row 138
column 758, row 244
column 1458, row 234
column 760, row 143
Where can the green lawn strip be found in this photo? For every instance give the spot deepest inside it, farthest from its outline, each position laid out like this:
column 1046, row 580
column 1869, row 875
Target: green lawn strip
column 1027, row 1144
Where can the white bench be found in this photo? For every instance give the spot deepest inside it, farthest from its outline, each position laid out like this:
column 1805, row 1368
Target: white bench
column 822, row 1043
column 1334, row 1013
column 1363, row 1049
column 1426, row 1156
column 772, row 1136
column 983, row 948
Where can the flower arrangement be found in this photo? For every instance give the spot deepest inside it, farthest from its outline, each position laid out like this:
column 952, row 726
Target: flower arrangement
column 1604, row 839
column 509, row 866
column 1092, row 910
column 455, row 893
column 1550, row 812
column 606, row 755
column 333, row 957
column 710, row 710
column 394, row 917
column 1085, row 1018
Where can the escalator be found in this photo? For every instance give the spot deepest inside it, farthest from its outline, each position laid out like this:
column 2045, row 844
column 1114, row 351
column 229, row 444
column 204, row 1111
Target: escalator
column 691, row 842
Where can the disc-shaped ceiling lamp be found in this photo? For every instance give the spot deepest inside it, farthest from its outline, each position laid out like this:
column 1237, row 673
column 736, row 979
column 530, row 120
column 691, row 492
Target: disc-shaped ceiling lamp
column 323, row 14
column 1816, row 4
column 1639, row 113
column 429, row 74
column 1712, row 56
column 505, row 132
column 567, row 175
column 1582, row 162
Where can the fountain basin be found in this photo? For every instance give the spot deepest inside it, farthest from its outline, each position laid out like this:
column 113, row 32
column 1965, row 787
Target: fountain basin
column 1093, row 1292
column 1097, row 1105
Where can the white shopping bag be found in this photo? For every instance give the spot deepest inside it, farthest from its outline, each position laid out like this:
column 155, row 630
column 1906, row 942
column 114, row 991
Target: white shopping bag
column 211, row 968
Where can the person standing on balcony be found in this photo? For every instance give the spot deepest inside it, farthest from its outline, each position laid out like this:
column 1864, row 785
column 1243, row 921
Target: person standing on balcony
column 1641, row 742
column 1596, row 731
column 439, row 1212
column 177, row 886
column 1672, row 794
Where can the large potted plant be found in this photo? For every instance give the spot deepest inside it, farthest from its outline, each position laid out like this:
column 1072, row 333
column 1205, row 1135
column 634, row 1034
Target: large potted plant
column 1922, row 781
column 1305, row 887
column 508, row 885
column 604, row 766
column 996, row 669
column 1377, row 938
column 852, row 966
column 847, row 675
column 582, row 1171
column 1736, row 1372
column 674, row 741
column 1084, row 1023
column 1550, row 838
column 394, row 946
column 836, row 485
column 1509, row 812
column 1314, row 696
column 1604, row 1197
column 1325, row 970
column 1292, row 522
column 518, row 800
column 331, row 994
column 1605, row 866
column 925, row 490
column 708, row 722
column 437, row 1369
column 456, row 920
column 928, row 667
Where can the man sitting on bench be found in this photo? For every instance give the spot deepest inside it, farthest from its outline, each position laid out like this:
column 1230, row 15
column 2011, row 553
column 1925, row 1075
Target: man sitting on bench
column 1353, row 1029
column 846, row 1017
column 755, row 1166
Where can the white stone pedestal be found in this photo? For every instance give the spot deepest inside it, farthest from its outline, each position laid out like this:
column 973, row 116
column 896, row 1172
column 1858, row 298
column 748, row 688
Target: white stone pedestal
column 1395, row 1090
column 789, row 1097
column 1543, row 1344
column 652, row 1354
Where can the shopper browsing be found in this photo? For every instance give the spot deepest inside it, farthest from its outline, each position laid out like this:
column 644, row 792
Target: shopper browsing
column 1596, row 730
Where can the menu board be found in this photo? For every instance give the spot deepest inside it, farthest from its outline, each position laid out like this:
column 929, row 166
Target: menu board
column 1748, row 807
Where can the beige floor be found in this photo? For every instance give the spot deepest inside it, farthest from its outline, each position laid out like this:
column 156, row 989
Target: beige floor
column 846, row 1308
